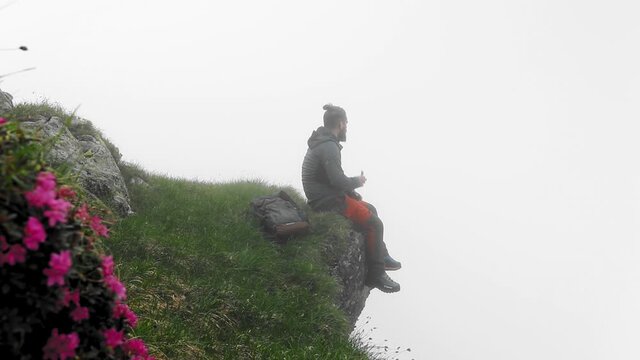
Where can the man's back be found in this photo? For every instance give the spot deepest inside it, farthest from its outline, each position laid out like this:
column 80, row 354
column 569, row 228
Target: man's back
column 323, row 179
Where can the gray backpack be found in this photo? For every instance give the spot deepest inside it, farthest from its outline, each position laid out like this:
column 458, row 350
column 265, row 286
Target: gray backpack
column 280, row 216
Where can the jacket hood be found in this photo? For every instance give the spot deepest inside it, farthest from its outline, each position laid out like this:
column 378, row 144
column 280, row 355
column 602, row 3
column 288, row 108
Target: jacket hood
column 322, row 135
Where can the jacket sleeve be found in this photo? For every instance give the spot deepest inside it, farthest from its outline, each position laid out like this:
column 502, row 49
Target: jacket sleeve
column 333, row 166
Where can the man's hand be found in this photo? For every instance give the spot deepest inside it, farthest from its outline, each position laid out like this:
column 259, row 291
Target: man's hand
column 362, row 178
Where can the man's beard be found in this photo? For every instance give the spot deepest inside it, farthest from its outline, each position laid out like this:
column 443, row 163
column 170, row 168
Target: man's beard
column 342, row 137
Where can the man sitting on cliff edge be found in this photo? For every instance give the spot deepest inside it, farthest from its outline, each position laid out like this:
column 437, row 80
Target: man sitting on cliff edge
column 328, row 189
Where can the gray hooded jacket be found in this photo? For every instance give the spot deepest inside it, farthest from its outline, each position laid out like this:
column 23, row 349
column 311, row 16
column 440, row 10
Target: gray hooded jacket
column 323, row 179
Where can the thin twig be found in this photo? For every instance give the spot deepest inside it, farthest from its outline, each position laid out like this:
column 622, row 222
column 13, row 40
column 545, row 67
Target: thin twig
column 17, row 72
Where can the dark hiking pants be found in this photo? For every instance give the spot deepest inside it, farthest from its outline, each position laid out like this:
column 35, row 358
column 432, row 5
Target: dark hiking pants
column 365, row 217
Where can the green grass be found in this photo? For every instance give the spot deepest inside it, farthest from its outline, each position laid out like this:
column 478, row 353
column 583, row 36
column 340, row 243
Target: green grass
column 207, row 285
column 26, row 111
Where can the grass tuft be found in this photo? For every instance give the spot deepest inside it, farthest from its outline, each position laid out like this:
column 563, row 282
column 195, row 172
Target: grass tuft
column 29, row 111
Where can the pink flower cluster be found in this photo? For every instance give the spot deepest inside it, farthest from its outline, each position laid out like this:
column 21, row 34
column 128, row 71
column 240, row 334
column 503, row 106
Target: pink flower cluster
column 137, row 349
column 59, row 265
column 98, row 227
column 56, row 210
column 107, row 265
column 11, row 254
column 51, row 207
column 44, row 195
column 2, row 121
column 113, row 338
column 123, row 311
column 69, row 297
column 61, row 346
column 83, row 215
column 44, row 191
column 79, row 313
column 133, row 347
column 34, row 234
column 112, row 281
column 95, row 222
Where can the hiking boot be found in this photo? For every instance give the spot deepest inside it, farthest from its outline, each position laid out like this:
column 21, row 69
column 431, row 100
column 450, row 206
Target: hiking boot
column 384, row 283
column 391, row 264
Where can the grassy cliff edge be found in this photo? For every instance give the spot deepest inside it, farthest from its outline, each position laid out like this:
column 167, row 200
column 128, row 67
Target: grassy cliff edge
column 207, row 285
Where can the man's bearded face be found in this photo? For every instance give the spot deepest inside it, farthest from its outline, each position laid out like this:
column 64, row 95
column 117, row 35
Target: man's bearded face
column 342, row 135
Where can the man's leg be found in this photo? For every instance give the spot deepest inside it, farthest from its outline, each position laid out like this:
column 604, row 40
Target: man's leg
column 374, row 211
column 389, row 262
column 359, row 213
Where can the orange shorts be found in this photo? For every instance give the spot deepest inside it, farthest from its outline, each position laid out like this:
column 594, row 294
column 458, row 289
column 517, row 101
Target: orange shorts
column 357, row 211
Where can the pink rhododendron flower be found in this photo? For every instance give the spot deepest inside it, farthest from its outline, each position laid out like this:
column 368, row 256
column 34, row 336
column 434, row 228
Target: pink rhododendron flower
column 98, row 227
column 66, row 193
column 46, row 180
column 16, row 255
column 44, row 190
column 39, row 197
column 136, row 347
column 2, row 121
column 122, row 310
column 116, row 286
column 82, row 214
column 58, row 210
column 71, row 297
column 34, row 234
column 59, row 265
column 132, row 318
column 61, row 346
column 107, row 265
column 113, row 338
column 80, row 313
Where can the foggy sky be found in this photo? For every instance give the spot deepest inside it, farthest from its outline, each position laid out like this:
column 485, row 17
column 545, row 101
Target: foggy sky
column 498, row 137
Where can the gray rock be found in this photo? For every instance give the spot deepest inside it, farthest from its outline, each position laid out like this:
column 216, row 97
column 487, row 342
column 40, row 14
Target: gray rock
column 349, row 269
column 6, row 102
column 87, row 138
column 138, row 181
column 77, row 120
column 87, row 157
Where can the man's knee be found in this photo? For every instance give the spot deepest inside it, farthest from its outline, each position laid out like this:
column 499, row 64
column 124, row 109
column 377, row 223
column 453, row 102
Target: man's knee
column 357, row 211
column 371, row 208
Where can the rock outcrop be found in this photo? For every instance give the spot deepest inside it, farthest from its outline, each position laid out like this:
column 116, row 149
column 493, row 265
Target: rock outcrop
column 86, row 156
column 6, row 102
column 349, row 269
